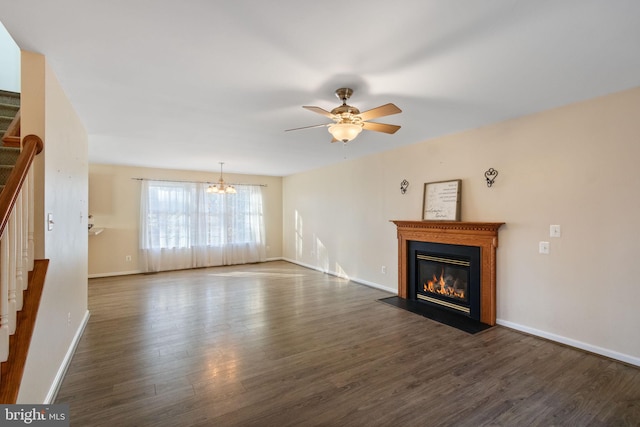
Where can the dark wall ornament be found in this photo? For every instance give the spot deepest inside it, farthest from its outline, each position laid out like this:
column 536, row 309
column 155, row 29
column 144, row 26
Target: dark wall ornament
column 490, row 175
column 403, row 186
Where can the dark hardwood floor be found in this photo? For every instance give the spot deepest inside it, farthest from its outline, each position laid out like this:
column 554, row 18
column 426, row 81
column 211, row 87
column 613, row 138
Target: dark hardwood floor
column 276, row 344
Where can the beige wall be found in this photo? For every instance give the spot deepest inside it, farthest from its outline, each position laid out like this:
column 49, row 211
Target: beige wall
column 114, row 200
column 62, row 165
column 574, row 166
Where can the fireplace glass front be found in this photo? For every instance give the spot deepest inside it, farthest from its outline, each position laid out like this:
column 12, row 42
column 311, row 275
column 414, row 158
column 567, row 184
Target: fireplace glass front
column 443, row 280
column 447, row 276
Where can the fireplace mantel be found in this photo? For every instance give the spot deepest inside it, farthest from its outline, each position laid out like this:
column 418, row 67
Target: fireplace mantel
column 481, row 234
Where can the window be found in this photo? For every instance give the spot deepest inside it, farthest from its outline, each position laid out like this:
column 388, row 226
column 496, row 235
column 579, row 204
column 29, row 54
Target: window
column 183, row 226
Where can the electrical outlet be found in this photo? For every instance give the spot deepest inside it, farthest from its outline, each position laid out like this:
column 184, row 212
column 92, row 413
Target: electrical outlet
column 544, row 248
column 69, row 318
column 383, row 270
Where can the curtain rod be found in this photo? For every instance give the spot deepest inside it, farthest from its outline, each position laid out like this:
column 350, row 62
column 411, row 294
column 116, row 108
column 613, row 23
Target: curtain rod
column 197, row 182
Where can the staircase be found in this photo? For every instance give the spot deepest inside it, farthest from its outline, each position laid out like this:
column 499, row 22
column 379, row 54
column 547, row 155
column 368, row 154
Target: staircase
column 9, row 151
column 21, row 277
column 10, row 118
column 8, row 158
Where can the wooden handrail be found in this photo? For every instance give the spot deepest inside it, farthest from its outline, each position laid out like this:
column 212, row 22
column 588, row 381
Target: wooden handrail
column 31, row 145
column 11, row 137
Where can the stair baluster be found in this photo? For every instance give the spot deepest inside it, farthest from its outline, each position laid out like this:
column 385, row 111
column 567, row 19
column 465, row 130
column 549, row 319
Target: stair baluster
column 16, row 235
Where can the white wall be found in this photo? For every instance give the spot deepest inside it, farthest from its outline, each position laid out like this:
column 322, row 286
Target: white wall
column 9, row 62
column 61, row 189
column 574, row 166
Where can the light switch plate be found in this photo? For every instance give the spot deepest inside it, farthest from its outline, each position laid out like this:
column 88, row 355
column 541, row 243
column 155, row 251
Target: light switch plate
column 50, row 221
column 544, row 247
column 554, row 231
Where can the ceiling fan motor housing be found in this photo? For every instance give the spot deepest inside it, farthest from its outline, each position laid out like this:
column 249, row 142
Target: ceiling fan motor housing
column 344, row 93
column 345, row 111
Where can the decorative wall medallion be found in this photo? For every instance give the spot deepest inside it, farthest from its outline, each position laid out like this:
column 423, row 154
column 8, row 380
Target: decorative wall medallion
column 490, row 175
column 403, row 186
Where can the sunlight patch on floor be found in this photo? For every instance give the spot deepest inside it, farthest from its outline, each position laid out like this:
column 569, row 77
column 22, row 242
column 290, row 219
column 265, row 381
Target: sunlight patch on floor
column 254, row 274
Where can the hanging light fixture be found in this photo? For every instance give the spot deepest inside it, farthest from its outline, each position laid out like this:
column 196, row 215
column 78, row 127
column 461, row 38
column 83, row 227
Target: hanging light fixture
column 345, row 132
column 221, row 187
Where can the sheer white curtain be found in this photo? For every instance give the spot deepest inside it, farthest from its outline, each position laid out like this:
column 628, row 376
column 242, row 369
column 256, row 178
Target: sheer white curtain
column 183, row 226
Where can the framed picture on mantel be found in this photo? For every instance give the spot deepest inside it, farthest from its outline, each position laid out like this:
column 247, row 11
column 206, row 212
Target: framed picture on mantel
column 441, row 201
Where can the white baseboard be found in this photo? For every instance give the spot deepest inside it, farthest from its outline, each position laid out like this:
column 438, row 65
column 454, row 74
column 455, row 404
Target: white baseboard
column 117, row 273
column 128, row 273
column 343, row 276
column 311, row 267
column 572, row 343
column 375, row 285
column 57, row 381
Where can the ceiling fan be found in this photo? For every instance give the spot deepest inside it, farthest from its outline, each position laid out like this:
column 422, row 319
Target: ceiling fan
column 348, row 121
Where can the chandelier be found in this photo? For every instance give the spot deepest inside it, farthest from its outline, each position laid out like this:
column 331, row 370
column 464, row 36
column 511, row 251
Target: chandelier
column 221, row 187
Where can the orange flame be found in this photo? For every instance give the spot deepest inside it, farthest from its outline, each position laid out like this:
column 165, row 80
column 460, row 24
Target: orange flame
column 438, row 285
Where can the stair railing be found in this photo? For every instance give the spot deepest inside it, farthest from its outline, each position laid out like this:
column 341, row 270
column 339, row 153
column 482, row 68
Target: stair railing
column 16, row 239
column 11, row 137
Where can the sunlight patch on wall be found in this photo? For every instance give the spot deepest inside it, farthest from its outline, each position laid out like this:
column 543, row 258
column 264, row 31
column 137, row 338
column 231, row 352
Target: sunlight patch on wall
column 339, row 271
column 321, row 255
column 298, row 236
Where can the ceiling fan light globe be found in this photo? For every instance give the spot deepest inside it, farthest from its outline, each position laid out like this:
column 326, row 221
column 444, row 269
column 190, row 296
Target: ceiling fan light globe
column 345, row 132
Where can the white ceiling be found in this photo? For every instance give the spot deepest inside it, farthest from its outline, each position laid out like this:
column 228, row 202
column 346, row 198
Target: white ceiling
column 188, row 84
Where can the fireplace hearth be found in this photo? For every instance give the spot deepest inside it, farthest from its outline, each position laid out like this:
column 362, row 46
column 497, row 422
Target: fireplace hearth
column 437, row 314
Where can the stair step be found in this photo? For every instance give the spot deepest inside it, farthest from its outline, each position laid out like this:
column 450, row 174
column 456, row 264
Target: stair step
column 9, row 155
column 11, row 98
column 7, row 97
column 5, row 122
column 5, row 171
column 8, row 158
column 8, row 110
column 9, row 107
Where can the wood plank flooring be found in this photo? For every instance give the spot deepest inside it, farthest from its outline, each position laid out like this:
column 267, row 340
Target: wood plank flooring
column 275, row 344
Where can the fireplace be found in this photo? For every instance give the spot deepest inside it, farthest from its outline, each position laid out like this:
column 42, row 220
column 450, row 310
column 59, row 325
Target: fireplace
column 461, row 256
column 445, row 276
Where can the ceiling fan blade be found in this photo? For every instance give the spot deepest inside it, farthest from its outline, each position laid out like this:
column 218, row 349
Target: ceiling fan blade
column 381, row 111
column 319, row 110
column 380, row 127
column 308, row 127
